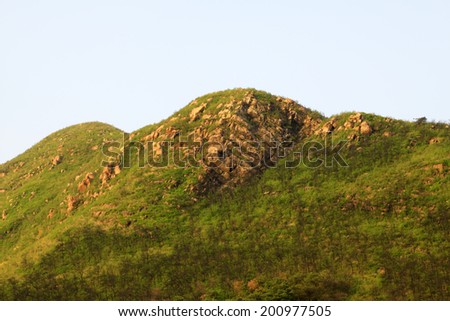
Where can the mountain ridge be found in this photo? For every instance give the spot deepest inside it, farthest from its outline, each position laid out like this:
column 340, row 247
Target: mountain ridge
column 69, row 192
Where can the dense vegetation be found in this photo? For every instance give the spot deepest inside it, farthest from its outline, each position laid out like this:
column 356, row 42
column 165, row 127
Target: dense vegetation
column 377, row 229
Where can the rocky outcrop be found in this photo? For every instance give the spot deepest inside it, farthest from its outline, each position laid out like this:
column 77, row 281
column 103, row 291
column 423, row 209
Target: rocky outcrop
column 234, row 139
column 354, row 123
column 106, row 175
column 195, row 113
column 109, row 172
column 50, row 214
column 72, row 203
column 365, row 129
column 57, row 160
column 18, row 166
column 153, row 135
column 84, row 184
column 439, row 168
column 328, row 127
column 435, row 140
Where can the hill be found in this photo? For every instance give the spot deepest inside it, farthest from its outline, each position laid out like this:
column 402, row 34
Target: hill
column 239, row 195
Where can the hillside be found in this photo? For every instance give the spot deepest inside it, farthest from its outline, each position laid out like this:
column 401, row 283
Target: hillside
column 217, row 203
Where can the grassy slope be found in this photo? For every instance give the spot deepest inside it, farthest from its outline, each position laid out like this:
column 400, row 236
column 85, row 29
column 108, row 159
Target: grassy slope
column 377, row 229
column 34, row 188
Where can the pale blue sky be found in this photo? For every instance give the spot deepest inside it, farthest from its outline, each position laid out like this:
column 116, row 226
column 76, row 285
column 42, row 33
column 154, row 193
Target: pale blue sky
column 131, row 63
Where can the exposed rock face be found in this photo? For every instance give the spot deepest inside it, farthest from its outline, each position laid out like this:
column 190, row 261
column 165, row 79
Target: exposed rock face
column 235, row 137
column 238, row 137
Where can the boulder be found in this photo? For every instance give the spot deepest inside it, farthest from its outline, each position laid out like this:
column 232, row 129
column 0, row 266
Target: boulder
column 154, row 135
column 157, row 148
column 105, row 176
column 84, row 184
column 348, row 125
column 434, row 140
column 327, row 128
column 356, row 118
column 353, row 120
column 151, row 137
column 57, row 160
column 248, row 98
column 439, row 168
column 50, row 214
column 171, row 133
column 214, row 149
column 352, row 137
column 72, row 203
column 110, row 171
column 365, row 128
column 195, row 113
column 288, row 101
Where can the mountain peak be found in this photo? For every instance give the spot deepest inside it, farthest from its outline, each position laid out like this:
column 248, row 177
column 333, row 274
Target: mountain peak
column 230, row 127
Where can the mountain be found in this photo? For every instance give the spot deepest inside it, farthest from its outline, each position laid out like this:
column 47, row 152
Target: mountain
column 240, row 195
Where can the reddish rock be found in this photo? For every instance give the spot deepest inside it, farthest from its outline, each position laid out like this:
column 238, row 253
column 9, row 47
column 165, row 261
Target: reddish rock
column 365, row 128
column 57, row 160
column 434, row 140
column 72, row 203
column 195, row 113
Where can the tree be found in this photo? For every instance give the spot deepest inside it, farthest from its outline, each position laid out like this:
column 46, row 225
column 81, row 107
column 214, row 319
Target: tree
column 421, row 120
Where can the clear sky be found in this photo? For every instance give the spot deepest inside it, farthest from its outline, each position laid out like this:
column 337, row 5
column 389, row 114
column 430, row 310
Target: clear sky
column 130, row 63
